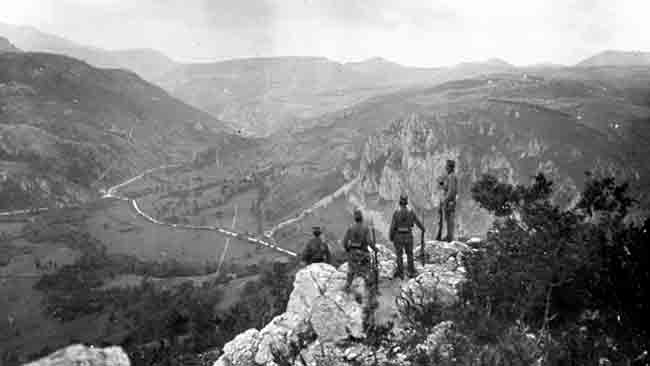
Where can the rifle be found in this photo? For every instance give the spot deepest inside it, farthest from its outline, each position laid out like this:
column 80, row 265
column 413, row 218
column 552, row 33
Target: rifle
column 422, row 256
column 374, row 246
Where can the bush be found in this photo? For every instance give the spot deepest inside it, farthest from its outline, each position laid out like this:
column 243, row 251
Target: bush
column 545, row 267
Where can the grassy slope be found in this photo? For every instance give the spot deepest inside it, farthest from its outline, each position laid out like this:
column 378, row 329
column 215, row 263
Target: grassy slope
column 68, row 124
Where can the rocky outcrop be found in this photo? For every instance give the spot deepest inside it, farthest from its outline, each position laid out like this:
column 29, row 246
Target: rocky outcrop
column 511, row 140
column 82, row 355
column 326, row 321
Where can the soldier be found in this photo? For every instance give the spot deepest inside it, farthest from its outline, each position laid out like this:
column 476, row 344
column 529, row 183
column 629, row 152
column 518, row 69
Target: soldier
column 356, row 242
column 449, row 184
column 316, row 250
column 402, row 237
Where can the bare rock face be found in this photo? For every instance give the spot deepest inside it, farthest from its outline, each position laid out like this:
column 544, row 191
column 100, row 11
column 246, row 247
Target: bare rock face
column 317, row 307
column 320, row 312
column 241, row 349
column 440, row 252
column 506, row 139
column 434, row 284
column 82, row 355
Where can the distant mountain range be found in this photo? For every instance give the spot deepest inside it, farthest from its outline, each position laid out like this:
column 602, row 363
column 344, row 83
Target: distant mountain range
column 147, row 63
column 617, row 58
column 261, row 96
column 265, row 95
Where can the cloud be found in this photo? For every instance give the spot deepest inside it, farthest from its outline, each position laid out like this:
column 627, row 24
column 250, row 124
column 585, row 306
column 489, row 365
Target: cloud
column 415, row 32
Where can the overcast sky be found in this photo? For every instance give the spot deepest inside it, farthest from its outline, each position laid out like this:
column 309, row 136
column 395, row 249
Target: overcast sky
column 411, row 32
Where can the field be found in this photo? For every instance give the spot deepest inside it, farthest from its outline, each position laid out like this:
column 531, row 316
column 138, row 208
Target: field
column 148, row 241
column 27, row 330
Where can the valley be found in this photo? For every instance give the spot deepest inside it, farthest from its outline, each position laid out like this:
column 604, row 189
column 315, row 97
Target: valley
column 160, row 193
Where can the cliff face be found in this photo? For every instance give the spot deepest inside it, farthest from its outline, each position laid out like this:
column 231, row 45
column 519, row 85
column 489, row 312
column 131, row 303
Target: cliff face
column 323, row 325
column 511, row 141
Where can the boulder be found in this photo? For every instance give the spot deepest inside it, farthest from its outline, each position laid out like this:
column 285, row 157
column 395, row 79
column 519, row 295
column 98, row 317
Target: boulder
column 81, row 355
column 337, row 318
column 241, row 350
column 317, row 305
column 439, row 252
column 320, row 353
column 434, row 284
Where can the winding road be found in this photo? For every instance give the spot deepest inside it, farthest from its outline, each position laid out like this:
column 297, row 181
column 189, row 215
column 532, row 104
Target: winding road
column 112, row 193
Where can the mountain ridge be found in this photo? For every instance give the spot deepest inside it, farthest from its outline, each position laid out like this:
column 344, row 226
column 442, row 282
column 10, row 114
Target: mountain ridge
column 146, row 62
column 66, row 126
column 616, row 58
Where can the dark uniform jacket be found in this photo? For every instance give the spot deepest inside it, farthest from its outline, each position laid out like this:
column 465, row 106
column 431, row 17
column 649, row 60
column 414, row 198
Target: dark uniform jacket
column 357, row 237
column 316, row 251
column 402, row 223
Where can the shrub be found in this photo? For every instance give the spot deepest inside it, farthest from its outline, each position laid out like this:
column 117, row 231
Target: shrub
column 545, row 267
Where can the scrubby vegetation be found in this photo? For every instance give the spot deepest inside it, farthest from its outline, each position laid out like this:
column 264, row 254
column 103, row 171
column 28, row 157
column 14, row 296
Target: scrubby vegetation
column 158, row 325
column 550, row 286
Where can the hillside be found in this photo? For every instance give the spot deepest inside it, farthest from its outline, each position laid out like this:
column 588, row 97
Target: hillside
column 561, row 122
column 266, row 95
column 6, row 46
column 67, row 129
column 617, row 58
column 149, row 64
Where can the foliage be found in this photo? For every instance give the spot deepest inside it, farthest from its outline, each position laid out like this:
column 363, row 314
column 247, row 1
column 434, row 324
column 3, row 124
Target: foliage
column 157, row 325
column 261, row 301
column 546, row 267
column 421, row 310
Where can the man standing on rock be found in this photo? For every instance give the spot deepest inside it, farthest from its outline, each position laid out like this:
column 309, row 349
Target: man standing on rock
column 402, row 237
column 449, row 185
column 316, row 250
column 356, row 242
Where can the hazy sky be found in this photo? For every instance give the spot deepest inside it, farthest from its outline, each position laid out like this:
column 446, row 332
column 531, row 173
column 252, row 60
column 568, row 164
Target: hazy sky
column 411, row 32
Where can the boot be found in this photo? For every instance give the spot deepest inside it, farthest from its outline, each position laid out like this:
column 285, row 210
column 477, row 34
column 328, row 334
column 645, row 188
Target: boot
column 399, row 272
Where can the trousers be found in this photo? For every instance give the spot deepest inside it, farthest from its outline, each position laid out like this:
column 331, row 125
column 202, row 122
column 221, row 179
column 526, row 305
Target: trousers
column 404, row 243
column 449, row 211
